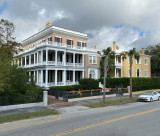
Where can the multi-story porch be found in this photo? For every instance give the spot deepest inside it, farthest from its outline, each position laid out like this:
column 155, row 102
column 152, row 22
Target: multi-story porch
column 49, row 77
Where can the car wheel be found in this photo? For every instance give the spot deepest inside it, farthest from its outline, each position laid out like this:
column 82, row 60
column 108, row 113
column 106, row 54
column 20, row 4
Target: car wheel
column 151, row 100
column 159, row 98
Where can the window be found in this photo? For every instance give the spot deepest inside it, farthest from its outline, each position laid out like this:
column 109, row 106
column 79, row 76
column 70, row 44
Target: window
column 146, row 61
column 138, row 61
column 146, row 73
column 58, row 39
column 81, row 44
column 50, row 39
column 119, row 59
column 93, row 59
column 69, row 75
column 92, row 74
column 138, row 73
column 69, row 42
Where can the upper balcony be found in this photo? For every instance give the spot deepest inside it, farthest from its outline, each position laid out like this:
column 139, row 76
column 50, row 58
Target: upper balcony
column 57, row 44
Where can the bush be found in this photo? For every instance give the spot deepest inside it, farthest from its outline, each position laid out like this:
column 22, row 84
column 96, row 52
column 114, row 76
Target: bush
column 66, row 88
column 138, row 83
column 89, row 83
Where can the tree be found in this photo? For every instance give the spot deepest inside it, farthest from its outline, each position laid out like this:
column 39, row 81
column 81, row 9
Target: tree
column 154, row 51
column 107, row 61
column 131, row 54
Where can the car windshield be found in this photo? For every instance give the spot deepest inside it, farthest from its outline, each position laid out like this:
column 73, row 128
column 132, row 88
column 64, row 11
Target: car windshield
column 148, row 93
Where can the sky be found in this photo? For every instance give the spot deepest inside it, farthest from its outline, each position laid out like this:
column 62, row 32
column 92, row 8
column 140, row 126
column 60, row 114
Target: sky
column 131, row 23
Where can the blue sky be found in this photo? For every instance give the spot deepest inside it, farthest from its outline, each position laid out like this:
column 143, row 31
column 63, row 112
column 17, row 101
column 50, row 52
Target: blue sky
column 3, row 6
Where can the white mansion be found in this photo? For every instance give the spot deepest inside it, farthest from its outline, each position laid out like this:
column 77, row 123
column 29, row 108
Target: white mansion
column 57, row 57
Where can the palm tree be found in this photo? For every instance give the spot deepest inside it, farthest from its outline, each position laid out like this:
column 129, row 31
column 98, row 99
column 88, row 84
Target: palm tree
column 108, row 60
column 131, row 54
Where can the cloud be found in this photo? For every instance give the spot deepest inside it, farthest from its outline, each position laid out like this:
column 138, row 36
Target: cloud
column 132, row 23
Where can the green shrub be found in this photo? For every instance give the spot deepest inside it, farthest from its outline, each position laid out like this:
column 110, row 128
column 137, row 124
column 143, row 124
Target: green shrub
column 137, row 82
column 89, row 83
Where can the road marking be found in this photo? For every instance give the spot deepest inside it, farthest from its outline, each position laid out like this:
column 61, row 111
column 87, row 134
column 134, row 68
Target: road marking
column 105, row 122
column 25, row 122
column 33, row 123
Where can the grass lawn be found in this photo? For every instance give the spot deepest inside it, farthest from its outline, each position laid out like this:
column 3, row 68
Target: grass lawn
column 111, row 102
column 30, row 115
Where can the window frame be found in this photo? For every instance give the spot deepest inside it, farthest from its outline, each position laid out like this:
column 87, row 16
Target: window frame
column 92, row 56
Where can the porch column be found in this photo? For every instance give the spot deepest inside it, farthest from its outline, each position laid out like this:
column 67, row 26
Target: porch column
column 46, row 56
column 37, row 57
column 41, row 56
column 46, row 78
column 29, row 76
column 29, row 59
column 55, row 77
column 55, row 57
column 82, row 74
column 73, row 76
column 21, row 61
column 34, row 58
column 25, row 61
column 34, row 76
column 64, row 58
column 41, row 78
column 37, row 76
column 115, row 72
column 64, row 77
column 73, row 59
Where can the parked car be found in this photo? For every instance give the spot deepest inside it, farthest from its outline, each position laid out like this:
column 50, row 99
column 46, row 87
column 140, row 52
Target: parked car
column 149, row 96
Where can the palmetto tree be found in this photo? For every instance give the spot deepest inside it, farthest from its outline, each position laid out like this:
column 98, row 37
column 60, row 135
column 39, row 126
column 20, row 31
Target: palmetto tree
column 131, row 54
column 108, row 60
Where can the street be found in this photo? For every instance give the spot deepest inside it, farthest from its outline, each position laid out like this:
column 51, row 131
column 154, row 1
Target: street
column 134, row 119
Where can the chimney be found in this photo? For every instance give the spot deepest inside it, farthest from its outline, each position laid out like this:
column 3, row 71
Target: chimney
column 96, row 47
column 114, row 45
column 142, row 51
column 48, row 24
column 117, row 47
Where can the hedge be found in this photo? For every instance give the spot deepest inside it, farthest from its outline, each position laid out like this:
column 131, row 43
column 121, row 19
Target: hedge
column 137, row 82
column 89, row 83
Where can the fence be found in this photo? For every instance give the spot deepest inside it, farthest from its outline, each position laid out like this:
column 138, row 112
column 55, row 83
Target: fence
column 20, row 99
column 85, row 93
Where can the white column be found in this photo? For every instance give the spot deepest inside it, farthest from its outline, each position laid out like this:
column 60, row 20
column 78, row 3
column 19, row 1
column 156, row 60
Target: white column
column 41, row 56
column 25, row 61
column 18, row 62
column 82, row 74
column 21, row 61
column 64, row 58
column 46, row 78
column 55, row 77
column 37, row 76
column 34, row 76
column 34, row 58
column 83, row 60
column 29, row 76
column 55, row 57
column 115, row 72
column 37, row 57
column 64, row 77
column 46, row 56
column 115, row 59
column 41, row 77
column 73, row 76
column 29, row 59
column 73, row 59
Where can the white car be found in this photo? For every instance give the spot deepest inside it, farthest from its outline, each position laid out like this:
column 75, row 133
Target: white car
column 149, row 96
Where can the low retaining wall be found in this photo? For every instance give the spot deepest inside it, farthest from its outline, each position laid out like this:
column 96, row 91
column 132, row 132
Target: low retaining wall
column 18, row 106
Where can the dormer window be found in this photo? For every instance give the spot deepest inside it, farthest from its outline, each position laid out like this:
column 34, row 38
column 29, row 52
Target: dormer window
column 50, row 39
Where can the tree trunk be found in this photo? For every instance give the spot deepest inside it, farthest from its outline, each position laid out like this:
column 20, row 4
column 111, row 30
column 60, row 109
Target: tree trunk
column 130, row 95
column 104, row 84
column 105, row 75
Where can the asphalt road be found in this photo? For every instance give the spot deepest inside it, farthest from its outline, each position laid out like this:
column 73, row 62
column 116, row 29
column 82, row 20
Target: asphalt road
column 135, row 119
